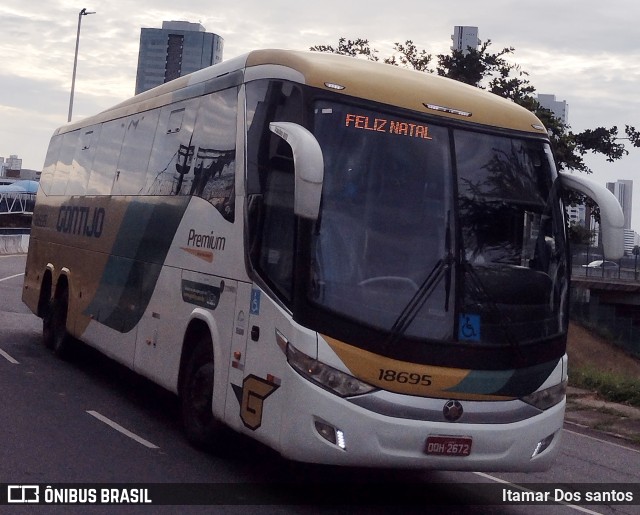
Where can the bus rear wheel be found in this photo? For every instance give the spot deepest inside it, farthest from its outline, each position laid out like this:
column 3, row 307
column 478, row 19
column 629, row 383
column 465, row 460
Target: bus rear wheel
column 196, row 397
column 54, row 325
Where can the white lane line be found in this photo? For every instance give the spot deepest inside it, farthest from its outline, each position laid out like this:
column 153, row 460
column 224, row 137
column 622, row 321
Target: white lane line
column 11, row 277
column 122, row 430
column 8, row 358
column 626, row 448
column 519, row 487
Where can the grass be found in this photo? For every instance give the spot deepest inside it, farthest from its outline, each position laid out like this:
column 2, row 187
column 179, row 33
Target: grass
column 611, row 387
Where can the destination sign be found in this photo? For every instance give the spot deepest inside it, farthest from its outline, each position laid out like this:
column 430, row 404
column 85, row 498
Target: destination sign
column 386, row 125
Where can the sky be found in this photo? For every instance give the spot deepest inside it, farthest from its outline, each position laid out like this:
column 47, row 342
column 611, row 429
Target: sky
column 585, row 52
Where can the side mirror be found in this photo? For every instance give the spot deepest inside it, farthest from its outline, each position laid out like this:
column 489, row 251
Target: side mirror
column 611, row 216
column 309, row 167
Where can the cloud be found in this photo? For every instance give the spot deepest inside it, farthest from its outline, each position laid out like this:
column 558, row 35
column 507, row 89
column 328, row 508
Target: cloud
column 598, row 87
column 36, row 45
column 583, row 51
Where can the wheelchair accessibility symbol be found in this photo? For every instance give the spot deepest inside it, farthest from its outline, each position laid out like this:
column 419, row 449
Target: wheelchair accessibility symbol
column 469, row 327
column 255, row 302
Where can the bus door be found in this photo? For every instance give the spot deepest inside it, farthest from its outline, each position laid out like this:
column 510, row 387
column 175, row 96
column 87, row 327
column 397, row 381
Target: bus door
column 257, row 367
column 237, row 356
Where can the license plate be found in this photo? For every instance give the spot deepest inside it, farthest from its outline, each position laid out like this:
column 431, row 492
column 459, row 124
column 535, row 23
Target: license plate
column 448, row 445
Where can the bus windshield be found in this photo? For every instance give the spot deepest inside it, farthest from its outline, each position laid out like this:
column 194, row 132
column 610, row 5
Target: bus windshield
column 437, row 233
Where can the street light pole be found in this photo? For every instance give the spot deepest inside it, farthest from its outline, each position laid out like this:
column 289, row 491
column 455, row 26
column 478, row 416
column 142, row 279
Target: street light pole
column 82, row 13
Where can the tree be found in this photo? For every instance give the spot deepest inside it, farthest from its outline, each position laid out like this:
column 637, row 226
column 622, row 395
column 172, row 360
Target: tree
column 580, row 235
column 355, row 48
column 485, row 69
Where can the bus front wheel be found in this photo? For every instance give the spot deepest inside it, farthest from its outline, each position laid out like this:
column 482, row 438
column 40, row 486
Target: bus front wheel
column 196, row 396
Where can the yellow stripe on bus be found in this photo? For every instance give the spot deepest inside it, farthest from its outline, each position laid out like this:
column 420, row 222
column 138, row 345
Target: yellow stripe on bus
column 405, row 377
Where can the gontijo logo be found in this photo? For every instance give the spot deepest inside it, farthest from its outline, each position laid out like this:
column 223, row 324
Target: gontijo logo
column 81, row 220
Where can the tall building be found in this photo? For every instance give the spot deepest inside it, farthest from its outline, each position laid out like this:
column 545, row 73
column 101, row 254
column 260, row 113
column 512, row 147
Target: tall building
column 178, row 48
column 576, row 214
column 465, row 37
column 11, row 166
column 559, row 108
column 623, row 190
column 631, row 240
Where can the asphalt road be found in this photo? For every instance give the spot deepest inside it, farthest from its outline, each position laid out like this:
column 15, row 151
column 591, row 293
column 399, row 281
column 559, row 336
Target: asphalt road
column 88, row 420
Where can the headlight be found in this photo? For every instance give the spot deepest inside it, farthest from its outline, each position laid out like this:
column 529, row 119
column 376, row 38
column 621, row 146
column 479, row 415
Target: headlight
column 544, row 399
column 326, row 376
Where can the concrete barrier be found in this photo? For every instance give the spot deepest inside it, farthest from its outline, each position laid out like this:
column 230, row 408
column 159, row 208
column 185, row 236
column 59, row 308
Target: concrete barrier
column 15, row 244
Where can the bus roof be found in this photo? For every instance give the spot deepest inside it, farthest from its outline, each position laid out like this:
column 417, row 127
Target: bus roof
column 402, row 87
column 392, row 85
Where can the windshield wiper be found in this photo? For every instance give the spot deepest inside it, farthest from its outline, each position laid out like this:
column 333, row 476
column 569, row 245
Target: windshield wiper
column 415, row 304
column 441, row 269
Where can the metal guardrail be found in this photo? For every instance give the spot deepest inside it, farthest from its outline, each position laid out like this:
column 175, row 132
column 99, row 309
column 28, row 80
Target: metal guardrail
column 589, row 262
column 16, row 203
column 614, row 273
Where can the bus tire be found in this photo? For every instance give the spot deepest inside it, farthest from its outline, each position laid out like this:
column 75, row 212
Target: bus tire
column 196, row 396
column 54, row 325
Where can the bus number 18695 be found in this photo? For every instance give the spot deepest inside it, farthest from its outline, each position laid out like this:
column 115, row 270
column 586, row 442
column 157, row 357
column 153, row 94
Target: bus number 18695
column 404, row 377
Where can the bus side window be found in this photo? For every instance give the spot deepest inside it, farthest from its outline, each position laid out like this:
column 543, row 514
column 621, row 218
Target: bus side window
column 172, row 152
column 131, row 172
column 267, row 101
column 106, row 158
column 215, row 151
column 46, row 179
column 278, row 230
column 83, row 161
column 65, row 163
column 270, row 182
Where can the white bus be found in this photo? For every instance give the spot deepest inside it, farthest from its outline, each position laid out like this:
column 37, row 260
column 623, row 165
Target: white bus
column 352, row 263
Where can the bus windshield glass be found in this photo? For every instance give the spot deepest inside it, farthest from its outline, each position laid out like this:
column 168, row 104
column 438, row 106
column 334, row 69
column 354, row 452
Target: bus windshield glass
column 436, row 233
column 386, row 198
column 513, row 240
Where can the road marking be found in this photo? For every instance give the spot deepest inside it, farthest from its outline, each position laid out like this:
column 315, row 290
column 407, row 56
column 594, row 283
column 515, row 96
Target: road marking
column 8, row 358
column 626, row 448
column 122, row 430
column 11, row 277
column 519, row 487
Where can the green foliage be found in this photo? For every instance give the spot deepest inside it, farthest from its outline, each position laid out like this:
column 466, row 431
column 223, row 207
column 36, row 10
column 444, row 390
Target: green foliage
column 410, row 57
column 490, row 71
column 357, row 48
column 612, row 387
column 633, row 135
column 601, row 140
column 580, row 235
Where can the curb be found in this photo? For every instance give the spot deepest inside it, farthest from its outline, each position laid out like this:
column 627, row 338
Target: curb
column 587, row 409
